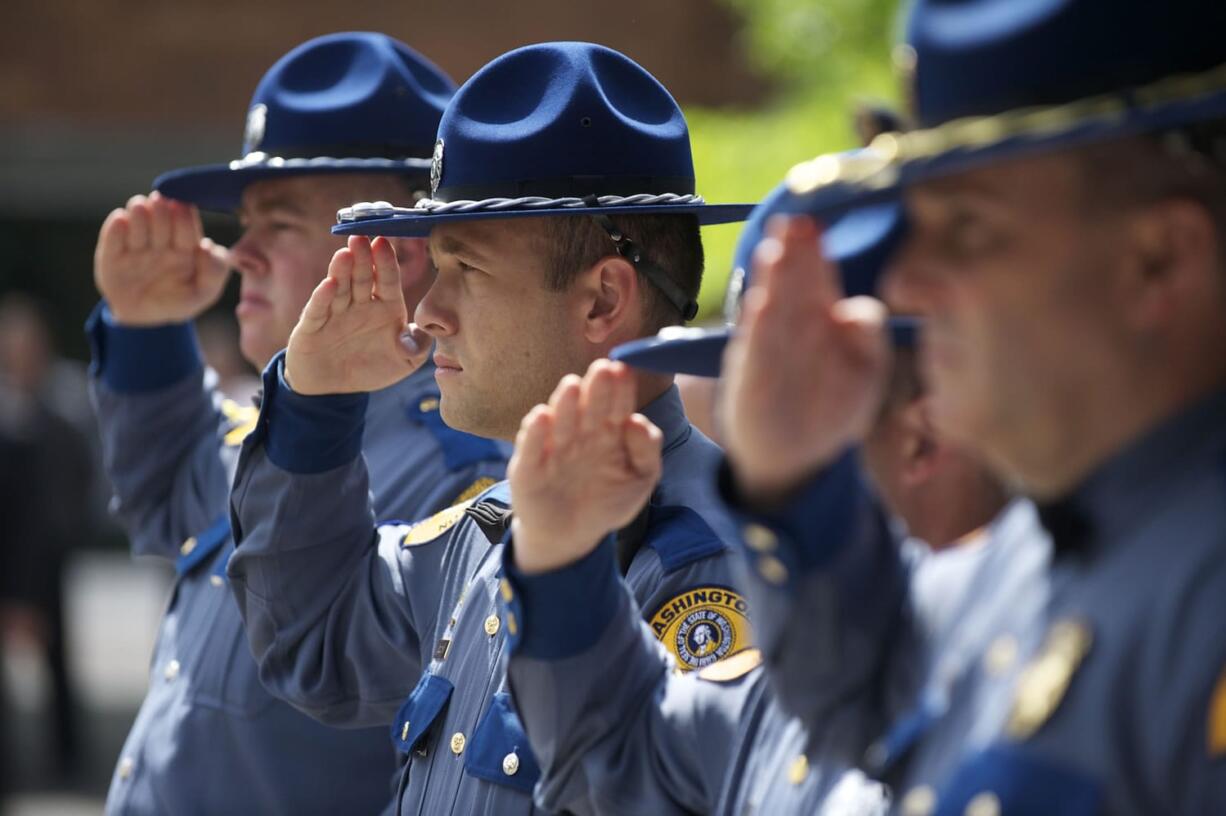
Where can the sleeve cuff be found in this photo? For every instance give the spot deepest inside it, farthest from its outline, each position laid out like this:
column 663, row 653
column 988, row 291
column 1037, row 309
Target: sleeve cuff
column 809, row 532
column 559, row 614
column 309, row 434
column 131, row 359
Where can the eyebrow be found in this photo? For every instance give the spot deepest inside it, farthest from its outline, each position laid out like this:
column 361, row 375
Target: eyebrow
column 284, row 204
column 450, row 245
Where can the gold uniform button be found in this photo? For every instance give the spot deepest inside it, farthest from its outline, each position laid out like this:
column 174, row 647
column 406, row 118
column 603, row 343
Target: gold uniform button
column 457, row 743
column 504, row 586
column 404, row 731
column 125, row 767
column 427, row 405
column 759, row 538
column 798, row 770
column 919, row 801
column 1000, row 655
column 187, row 546
column 772, row 570
column 510, row 764
column 216, row 580
column 172, row 670
column 491, row 625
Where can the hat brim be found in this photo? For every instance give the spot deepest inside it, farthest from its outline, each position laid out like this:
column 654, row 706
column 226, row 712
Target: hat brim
column 700, row 352
column 220, row 186
column 829, row 185
column 418, row 226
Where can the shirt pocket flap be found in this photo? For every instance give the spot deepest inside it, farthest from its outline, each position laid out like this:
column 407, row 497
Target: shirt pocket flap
column 499, row 751
column 419, row 711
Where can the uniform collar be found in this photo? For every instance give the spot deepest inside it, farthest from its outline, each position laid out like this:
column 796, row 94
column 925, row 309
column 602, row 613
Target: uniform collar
column 667, row 413
column 1143, row 475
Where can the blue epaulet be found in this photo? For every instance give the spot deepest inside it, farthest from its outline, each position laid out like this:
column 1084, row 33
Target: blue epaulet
column 459, row 449
column 680, row 536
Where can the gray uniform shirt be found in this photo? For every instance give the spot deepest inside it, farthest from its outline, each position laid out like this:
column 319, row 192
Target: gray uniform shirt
column 208, row 737
column 399, row 624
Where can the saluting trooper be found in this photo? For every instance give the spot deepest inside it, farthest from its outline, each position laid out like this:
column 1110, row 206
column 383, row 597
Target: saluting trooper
column 563, row 221
column 1066, row 191
column 340, row 116
column 716, row 742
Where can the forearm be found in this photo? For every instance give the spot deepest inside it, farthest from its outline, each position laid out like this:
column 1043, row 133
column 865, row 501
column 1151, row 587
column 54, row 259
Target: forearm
column 631, row 746
column 160, row 432
column 321, row 591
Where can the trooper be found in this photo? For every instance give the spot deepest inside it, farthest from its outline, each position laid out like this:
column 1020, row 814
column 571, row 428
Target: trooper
column 342, row 115
column 563, row 220
column 1066, row 257
column 716, row 742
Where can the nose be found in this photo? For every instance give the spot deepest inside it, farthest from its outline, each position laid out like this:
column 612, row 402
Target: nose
column 908, row 283
column 435, row 312
column 247, row 256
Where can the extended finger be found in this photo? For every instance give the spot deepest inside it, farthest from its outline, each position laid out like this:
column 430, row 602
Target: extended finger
column 341, row 271
column 643, row 441
column 363, row 268
column 594, row 399
column 622, row 392
column 113, row 236
column 565, row 406
column 183, row 235
column 138, row 223
column 861, row 325
column 532, row 443
column 387, row 271
column 160, row 228
column 318, row 307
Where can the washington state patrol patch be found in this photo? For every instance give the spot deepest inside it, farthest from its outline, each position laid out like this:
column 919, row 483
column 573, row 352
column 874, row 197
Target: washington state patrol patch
column 240, row 421
column 732, row 668
column 435, row 526
column 703, row 625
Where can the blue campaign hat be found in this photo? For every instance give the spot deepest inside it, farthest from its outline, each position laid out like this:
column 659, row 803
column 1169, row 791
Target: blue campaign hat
column 564, row 128
column 860, row 242
column 353, row 102
column 992, row 80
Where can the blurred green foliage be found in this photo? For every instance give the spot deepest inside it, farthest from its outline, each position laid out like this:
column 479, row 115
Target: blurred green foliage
column 823, row 57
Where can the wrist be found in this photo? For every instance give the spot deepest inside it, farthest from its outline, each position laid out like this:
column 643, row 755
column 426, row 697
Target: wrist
column 537, row 551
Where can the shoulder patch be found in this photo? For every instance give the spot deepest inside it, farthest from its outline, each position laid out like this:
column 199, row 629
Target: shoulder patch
column 734, row 667
column 680, row 536
column 240, row 421
column 475, row 489
column 459, row 449
column 435, row 526
column 1043, row 683
column 1215, row 729
column 702, row 626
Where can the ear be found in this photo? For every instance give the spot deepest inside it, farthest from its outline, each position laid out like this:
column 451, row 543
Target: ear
column 611, row 300
column 921, row 447
column 1176, row 257
column 416, row 270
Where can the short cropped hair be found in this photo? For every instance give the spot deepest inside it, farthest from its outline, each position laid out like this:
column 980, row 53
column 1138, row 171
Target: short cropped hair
column 671, row 242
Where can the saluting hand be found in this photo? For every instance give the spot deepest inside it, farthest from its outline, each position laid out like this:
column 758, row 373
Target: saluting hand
column 354, row 334
column 806, row 372
column 153, row 264
column 584, row 466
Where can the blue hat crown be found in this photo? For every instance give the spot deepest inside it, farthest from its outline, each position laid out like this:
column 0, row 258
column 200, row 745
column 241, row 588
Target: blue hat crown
column 357, row 94
column 983, row 57
column 353, row 102
column 562, row 119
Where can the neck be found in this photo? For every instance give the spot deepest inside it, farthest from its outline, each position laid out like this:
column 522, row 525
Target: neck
column 949, row 512
column 649, row 387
